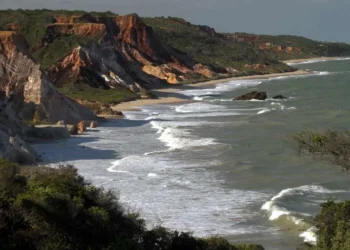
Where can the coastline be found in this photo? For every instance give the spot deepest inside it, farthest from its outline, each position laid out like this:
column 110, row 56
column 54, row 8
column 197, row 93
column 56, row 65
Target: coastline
column 305, row 60
column 169, row 95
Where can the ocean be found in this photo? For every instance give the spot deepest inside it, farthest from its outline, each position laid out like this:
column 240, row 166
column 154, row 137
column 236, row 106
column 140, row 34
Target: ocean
column 216, row 166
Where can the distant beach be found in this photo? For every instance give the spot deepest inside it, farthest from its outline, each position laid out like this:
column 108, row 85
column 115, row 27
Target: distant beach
column 169, row 95
column 314, row 59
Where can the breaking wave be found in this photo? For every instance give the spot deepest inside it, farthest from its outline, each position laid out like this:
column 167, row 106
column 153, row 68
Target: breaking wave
column 175, row 137
column 318, row 61
column 278, row 208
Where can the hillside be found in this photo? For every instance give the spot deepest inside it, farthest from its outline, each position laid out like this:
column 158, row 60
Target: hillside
column 102, row 56
column 285, row 47
column 239, row 50
column 109, row 58
column 206, row 45
column 106, row 58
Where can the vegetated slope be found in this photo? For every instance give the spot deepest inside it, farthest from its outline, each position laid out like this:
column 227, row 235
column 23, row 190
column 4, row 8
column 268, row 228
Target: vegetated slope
column 240, row 50
column 284, row 47
column 208, row 46
column 57, row 209
column 102, row 56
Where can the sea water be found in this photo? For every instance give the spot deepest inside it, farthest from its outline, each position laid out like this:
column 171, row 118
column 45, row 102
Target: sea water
column 217, row 166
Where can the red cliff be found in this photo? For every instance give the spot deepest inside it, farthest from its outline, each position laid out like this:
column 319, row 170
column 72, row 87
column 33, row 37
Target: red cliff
column 22, row 79
column 127, row 53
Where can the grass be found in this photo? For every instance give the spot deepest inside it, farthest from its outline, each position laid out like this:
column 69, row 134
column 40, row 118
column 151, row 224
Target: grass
column 205, row 47
column 87, row 93
column 50, row 54
column 209, row 49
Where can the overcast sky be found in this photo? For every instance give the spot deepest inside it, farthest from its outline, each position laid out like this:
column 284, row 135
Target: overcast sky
column 326, row 20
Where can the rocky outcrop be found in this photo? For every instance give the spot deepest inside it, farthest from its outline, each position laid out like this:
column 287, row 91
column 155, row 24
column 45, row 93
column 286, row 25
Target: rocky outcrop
column 208, row 30
column 106, row 110
column 82, row 125
column 41, row 133
column 26, row 94
column 12, row 147
column 126, row 53
column 22, row 79
column 254, row 95
column 279, row 97
column 164, row 72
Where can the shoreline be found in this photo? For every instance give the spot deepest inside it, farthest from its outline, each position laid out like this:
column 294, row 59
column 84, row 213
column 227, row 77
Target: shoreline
column 306, row 60
column 167, row 95
column 170, row 95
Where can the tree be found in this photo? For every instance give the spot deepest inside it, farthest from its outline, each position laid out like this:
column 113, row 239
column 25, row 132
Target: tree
column 332, row 146
column 56, row 209
column 333, row 222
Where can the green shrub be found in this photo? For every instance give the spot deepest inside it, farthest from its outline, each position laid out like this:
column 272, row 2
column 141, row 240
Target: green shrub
column 331, row 145
column 56, row 209
column 333, row 227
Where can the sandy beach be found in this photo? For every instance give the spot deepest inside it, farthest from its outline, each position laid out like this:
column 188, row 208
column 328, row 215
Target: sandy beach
column 324, row 58
column 170, row 95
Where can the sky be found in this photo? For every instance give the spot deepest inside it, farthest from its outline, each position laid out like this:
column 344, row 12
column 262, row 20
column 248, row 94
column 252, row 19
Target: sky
column 324, row 20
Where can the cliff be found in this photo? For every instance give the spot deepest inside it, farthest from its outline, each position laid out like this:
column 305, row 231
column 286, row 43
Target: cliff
column 103, row 58
column 232, row 52
column 22, row 79
column 12, row 147
column 126, row 53
column 240, row 51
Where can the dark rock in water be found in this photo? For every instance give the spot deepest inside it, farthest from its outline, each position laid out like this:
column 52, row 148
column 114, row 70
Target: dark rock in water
column 279, row 97
column 253, row 95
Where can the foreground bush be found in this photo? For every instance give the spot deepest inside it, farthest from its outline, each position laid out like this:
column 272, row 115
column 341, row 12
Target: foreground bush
column 333, row 227
column 56, row 209
column 333, row 222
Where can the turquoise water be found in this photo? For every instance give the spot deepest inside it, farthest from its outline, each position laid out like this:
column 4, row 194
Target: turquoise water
column 223, row 167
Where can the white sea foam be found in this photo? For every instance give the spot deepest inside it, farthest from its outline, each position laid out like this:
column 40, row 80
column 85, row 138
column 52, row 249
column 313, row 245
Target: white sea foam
column 318, row 61
column 199, row 107
column 309, row 236
column 276, row 207
column 198, row 98
column 307, row 62
column 263, row 111
column 256, row 100
column 175, row 137
column 343, row 59
column 323, row 73
column 152, row 175
column 222, row 100
column 115, row 164
column 200, row 94
column 189, row 112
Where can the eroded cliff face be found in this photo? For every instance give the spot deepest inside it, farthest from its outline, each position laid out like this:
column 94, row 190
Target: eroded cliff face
column 12, row 147
column 126, row 53
column 22, row 79
column 100, row 66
